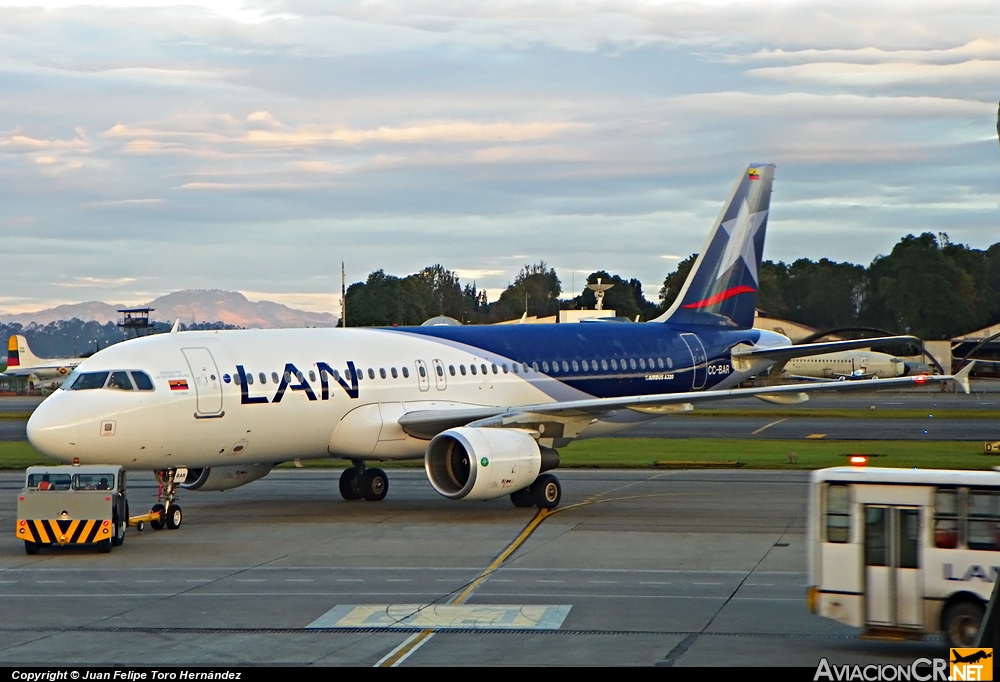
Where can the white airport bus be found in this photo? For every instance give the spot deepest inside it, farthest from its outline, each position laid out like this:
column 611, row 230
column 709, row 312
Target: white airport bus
column 904, row 552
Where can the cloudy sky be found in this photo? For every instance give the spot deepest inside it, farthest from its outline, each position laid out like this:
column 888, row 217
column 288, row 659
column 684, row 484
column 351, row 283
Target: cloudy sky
column 147, row 147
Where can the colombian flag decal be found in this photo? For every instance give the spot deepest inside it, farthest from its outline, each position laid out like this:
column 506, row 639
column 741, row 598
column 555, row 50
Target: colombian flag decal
column 178, row 385
column 753, row 174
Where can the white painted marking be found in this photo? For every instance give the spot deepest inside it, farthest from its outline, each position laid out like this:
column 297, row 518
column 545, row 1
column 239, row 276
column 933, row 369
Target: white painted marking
column 150, row 581
column 707, row 583
column 98, row 581
column 398, row 580
column 550, row 581
column 603, row 582
column 767, row 426
column 50, row 581
column 299, row 580
column 443, row 616
column 653, row 582
column 350, row 580
column 250, row 580
column 406, row 642
column 759, row 584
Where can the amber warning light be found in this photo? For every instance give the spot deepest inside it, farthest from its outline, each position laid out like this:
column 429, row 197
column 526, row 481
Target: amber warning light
column 859, row 460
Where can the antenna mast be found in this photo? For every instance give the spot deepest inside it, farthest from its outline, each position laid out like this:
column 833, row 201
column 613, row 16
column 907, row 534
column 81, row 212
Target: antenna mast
column 343, row 296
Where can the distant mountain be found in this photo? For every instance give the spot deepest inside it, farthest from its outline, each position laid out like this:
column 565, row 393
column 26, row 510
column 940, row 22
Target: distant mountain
column 190, row 305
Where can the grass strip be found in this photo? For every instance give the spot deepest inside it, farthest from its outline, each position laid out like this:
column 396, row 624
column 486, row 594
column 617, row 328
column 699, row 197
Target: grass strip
column 644, row 453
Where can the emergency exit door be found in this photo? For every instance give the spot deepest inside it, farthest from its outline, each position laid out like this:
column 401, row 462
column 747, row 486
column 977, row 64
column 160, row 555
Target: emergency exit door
column 893, row 594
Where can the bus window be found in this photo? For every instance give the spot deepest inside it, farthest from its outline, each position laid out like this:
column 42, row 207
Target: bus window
column 946, row 518
column 838, row 514
column 876, row 536
column 984, row 519
column 909, row 538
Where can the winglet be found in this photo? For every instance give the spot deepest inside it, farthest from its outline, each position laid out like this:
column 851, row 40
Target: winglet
column 177, row 326
column 962, row 378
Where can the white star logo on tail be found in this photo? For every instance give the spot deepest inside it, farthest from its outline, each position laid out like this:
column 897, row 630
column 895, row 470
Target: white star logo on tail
column 741, row 231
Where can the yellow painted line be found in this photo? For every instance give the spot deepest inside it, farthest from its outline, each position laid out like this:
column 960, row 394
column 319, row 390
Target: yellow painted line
column 503, row 556
column 767, row 426
column 816, row 436
column 400, row 653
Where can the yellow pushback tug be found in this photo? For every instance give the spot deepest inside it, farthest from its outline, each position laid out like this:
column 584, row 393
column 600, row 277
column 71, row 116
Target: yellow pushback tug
column 72, row 505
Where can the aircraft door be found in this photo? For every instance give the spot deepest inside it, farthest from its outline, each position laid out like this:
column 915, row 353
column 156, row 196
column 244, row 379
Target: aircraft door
column 699, row 360
column 893, row 594
column 207, row 386
column 422, row 381
column 439, row 375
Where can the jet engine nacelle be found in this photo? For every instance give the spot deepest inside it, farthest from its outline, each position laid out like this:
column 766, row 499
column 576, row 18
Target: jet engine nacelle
column 482, row 464
column 224, row 478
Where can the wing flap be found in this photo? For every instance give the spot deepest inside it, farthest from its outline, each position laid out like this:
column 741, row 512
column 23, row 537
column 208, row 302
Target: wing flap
column 806, row 349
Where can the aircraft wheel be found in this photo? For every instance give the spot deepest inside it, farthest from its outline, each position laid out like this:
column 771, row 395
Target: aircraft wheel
column 31, row 547
column 174, row 517
column 374, row 484
column 522, row 498
column 104, row 546
column 546, row 491
column 961, row 624
column 158, row 524
column 349, row 485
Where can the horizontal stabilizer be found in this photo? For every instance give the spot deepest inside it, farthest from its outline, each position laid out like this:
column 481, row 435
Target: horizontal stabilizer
column 783, row 353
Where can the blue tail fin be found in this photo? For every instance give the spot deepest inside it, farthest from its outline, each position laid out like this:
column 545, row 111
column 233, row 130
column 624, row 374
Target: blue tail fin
column 722, row 287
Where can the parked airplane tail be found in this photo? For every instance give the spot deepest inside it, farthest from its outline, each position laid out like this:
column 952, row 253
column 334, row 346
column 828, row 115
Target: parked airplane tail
column 18, row 353
column 722, row 287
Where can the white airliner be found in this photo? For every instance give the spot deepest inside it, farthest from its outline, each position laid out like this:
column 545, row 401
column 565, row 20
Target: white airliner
column 848, row 364
column 43, row 373
column 485, row 407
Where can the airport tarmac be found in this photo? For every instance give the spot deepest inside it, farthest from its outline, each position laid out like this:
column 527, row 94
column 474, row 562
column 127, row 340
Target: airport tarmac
column 636, row 568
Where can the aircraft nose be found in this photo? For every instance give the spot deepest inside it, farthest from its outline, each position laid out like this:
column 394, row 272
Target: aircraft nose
column 52, row 431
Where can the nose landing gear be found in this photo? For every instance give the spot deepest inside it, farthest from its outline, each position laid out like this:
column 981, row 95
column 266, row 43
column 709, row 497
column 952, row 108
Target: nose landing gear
column 166, row 512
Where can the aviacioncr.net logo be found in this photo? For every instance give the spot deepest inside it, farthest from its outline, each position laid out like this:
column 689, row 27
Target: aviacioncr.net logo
column 920, row 670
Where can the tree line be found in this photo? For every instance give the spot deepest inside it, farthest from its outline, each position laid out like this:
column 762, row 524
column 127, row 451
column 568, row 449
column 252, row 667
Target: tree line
column 926, row 286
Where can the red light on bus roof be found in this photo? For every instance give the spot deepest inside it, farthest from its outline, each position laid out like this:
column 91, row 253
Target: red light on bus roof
column 859, row 460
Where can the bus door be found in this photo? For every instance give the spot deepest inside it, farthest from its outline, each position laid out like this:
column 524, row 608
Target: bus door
column 699, row 360
column 893, row 593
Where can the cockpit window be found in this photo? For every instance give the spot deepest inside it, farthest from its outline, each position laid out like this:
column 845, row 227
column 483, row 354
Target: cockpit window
column 120, row 381
column 88, row 380
column 142, row 381
column 49, row 481
column 94, row 482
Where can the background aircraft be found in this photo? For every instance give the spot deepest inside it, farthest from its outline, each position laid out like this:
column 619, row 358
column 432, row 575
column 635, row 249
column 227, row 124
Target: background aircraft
column 485, row 407
column 850, row 364
column 43, row 373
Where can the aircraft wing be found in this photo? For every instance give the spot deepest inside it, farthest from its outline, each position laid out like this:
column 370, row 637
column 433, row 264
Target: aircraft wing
column 783, row 353
column 428, row 423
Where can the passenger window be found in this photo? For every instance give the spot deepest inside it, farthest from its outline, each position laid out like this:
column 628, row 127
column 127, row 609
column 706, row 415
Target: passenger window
column 534, row 366
column 472, row 368
column 236, row 379
column 274, row 377
column 604, row 365
column 120, row 381
column 585, row 365
column 631, row 363
column 504, row 367
column 336, row 375
column 89, row 380
column 493, row 365
column 984, row 519
column 451, row 369
column 515, row 368
column 312, row 375
column 565, row 366
column 461, row 369
column 249, row 379
column 642, row 363
column 439, row 369
column 838, row 513
column 301, row 377
column 483, row 369
column 406, row 373
column 381, row 372
column 371, row 373
column 946, row 518
column 262, row 377
column 545, row 367
column 524, row 366
column 670, row 363
column 287, row 376
column 659, row 363
column 395, row 374
column 143, row 382
column 576, row 366
column 423, row 372
column 555, row 367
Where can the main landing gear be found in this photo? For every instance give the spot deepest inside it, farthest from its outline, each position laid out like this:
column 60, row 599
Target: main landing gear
column 361, row 482
column 544, row 493
column 166, row 512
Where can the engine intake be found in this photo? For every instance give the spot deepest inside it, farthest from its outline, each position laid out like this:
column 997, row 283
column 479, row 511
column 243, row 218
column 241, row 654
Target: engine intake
column 224, row 478
column 481, row 463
